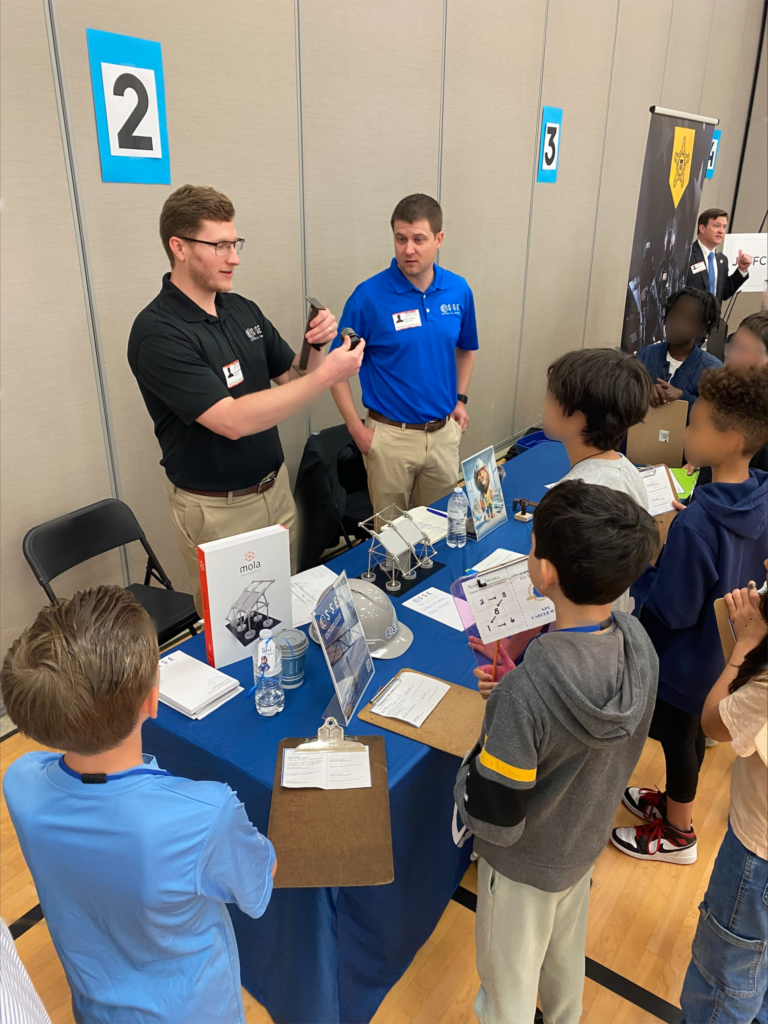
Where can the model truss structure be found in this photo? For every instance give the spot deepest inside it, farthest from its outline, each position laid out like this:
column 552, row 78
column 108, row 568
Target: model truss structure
column 250, row 612
column 398, row 547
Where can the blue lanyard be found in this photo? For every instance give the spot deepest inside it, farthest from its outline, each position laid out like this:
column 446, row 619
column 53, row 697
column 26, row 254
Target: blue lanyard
column 586, row 629
column 569, row 629
column 101, row 777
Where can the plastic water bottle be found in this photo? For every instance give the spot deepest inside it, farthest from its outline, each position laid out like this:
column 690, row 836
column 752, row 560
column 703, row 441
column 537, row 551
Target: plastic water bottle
column 457, row 519
column 267, row 674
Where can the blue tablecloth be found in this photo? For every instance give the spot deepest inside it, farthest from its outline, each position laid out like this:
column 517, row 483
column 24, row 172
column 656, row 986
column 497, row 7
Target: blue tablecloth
column 331, row 955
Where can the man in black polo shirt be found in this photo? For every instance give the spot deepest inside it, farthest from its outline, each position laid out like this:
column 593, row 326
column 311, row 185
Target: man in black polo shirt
column 205, row 359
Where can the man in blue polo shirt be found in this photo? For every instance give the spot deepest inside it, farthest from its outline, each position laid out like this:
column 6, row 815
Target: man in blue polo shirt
column 418, row 322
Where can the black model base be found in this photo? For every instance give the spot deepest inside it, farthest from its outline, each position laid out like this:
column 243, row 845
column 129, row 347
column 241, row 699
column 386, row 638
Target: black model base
column 383, row 577
column 250, row 633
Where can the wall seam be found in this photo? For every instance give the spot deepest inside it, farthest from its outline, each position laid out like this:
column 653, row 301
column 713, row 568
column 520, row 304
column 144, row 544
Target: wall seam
column 600, row 177
column 530, row 212
column 86, row 274
column 442, row 106
column 302, row 200
column 706, row 59
column 730, row 119
column 666, row 52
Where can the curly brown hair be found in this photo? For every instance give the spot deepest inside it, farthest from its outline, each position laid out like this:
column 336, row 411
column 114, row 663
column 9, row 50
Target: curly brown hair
column 739, row 400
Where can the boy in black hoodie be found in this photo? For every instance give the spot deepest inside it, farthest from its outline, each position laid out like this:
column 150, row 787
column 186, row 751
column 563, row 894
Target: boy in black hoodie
column 562, row 734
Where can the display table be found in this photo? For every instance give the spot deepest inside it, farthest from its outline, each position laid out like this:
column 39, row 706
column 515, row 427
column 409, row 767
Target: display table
column 331, row 955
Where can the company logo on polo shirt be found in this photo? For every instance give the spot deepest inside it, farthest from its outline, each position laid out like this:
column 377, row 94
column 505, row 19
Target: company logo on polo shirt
column 253, row 332
column 451, row 309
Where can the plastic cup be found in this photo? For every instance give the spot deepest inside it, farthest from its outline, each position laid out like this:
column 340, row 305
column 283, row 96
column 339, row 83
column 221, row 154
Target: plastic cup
column 293, row 647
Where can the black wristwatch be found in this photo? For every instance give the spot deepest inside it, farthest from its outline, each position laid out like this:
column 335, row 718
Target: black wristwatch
column 463, row 398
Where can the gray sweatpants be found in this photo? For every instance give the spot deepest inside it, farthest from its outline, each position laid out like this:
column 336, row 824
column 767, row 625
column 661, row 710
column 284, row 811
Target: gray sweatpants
column 529, row 940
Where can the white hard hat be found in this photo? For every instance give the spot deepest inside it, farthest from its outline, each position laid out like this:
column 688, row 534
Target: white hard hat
column 385, row 636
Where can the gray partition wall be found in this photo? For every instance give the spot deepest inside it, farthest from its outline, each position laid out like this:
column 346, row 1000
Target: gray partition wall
column 316, row 117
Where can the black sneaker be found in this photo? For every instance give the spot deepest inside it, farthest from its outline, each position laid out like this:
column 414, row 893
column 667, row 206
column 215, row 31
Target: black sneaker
column 657, row 841
column 645, row 803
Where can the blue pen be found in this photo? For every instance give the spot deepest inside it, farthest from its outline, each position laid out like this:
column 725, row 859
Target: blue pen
column 437, row 512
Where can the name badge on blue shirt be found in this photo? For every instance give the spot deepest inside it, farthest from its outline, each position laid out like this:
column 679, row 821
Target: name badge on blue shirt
column 409, row 318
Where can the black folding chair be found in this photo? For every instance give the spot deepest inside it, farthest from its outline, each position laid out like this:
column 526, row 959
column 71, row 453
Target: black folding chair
column 62, row 543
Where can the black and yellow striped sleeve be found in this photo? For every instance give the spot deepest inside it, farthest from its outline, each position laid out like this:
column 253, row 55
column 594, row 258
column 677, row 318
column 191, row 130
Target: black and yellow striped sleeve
column 493, row 782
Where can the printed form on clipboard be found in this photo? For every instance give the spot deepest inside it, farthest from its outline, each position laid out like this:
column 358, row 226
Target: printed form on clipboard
column 504, row 602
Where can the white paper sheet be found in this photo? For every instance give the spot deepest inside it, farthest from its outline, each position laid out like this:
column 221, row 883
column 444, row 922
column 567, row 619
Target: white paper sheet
column 412, row 698
column 499, row 556
column 306, row 590
column 660, row 491
column 437, row 605
column 507, row 603
column 324, row 769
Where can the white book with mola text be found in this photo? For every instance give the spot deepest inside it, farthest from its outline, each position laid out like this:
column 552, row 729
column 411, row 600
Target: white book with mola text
column 245, row 582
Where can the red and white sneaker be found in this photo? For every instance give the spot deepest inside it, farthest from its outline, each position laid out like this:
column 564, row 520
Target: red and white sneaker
column 645, row 803
column 657, row 841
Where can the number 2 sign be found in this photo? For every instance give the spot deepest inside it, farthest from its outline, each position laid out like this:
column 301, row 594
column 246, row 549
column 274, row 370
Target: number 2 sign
column 549, row 147
column 129, row 100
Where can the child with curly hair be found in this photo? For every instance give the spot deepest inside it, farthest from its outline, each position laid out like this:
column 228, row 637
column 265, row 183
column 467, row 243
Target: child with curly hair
column 713, row 545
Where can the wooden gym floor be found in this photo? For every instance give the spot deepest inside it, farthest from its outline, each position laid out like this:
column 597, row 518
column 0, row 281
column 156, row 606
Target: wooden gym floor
column 641, row 923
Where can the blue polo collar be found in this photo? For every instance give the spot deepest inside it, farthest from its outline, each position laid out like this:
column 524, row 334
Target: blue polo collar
column 400, row 282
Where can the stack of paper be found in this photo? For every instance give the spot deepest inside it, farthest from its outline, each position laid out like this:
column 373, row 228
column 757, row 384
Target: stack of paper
column 192, row 687
column 434, row 525
column 410, row 697
column 306, row 590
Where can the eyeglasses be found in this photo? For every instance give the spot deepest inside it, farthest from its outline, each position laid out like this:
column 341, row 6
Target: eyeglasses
column 222, row 248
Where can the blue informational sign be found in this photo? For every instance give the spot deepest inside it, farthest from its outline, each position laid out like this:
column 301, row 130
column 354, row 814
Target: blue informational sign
column 549, row 145
column 129, row 100
column 714, row 149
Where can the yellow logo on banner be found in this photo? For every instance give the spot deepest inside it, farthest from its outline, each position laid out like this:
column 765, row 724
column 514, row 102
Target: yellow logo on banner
column 680, row 168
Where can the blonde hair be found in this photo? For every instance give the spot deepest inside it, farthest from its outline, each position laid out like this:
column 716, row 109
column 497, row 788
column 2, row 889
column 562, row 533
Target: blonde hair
column 76, row 678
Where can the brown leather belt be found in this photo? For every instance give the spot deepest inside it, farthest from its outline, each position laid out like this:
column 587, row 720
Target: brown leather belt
column 264, row 485
column 428, row 428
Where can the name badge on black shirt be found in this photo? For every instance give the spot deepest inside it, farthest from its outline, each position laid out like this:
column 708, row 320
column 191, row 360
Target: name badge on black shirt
column 233, row 375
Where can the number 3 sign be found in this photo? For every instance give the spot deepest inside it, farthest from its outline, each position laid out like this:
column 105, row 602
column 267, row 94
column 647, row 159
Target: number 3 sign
column 549, row 147
column 129, row 99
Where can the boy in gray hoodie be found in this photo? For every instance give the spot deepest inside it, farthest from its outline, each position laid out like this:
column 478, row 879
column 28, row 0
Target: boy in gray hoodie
column 562, row 734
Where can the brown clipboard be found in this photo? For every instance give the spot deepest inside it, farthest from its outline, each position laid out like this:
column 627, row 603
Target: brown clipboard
column 333, row 837
column 659, row 438
column 724, row 628
column 453, row 726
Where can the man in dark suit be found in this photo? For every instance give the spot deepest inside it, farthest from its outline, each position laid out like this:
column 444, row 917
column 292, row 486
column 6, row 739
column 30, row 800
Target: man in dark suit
column 708, row 269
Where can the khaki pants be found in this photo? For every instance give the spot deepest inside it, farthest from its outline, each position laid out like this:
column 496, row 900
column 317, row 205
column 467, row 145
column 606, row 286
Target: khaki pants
column 198, row 519
column 411, row 465
column 528, row 939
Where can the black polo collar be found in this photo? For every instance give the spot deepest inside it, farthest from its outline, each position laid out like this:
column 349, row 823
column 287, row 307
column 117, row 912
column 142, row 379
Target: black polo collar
column 183, row 306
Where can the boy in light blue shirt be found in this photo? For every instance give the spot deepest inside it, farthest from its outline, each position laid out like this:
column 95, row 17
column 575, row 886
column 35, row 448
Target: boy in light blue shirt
column 133, row 866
